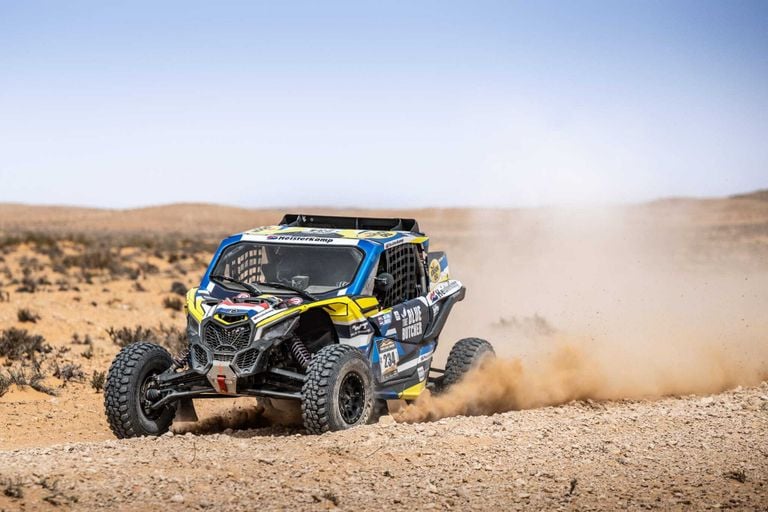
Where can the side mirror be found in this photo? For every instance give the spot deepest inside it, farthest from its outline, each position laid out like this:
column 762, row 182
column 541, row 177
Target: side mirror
column 384, row 282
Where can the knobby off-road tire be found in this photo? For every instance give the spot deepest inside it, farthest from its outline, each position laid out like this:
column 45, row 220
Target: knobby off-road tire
column 338, row 393
column 124, row 391
column 465, row 355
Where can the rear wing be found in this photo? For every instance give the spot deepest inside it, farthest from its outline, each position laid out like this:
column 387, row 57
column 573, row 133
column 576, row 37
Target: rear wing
column 333, row 222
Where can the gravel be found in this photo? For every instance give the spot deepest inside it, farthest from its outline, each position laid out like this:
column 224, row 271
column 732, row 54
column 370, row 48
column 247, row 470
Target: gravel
column 686, row 453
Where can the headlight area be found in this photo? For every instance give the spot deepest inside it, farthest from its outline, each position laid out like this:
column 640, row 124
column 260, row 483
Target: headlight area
column 279, row 329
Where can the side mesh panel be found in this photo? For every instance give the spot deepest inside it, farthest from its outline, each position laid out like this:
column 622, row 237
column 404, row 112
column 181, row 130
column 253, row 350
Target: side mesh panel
column 403, row 263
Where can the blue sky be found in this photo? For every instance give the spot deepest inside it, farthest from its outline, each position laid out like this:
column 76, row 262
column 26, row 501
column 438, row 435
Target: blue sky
column 381, row 103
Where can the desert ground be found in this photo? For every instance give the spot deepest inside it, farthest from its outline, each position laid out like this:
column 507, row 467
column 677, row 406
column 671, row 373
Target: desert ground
column 632, row 368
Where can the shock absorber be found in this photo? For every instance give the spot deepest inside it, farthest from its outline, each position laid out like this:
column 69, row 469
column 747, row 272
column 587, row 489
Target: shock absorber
column 300, row 352
column 181, row 360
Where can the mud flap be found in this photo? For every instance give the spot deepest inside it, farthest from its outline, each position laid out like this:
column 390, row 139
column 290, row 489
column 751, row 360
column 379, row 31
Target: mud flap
column 185, row 411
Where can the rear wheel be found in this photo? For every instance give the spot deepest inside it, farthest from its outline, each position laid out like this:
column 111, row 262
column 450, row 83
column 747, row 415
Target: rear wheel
column 465, row 355
column 130, row 377
column 338, row 393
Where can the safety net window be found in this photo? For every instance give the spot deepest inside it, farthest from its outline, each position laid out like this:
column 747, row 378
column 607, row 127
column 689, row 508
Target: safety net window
column 404, row 264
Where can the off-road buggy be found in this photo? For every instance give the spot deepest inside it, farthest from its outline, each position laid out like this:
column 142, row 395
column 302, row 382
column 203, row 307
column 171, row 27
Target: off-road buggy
column 338, row 314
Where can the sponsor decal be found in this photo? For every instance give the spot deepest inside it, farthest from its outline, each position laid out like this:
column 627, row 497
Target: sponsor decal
column 321, row 231
column 384, row 319
column 361, row 328
column 294, row 301
column 299, row 238
column 434, row 271
column 411, row 322
column 388, row 357
column 393, row 243
column 422, row 373
column 377, row 234
column 424, row 357
column 443, row 290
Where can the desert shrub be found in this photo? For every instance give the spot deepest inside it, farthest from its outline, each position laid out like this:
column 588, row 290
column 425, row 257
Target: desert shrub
column 33, row 264
column 124, row 336
column 26, row 315
column 178, row 269
column 179, row 288
column 78, row 340
column 172, row 338
column 17, row 343
column 28, row 282
column 174, row 303
column 48, row 246
column 97, row 259
column 148, row 268
column 137, row 286
column 12, row 488
column 97, row 380
column 68, row 372
column 87, row 341
column 20, row 377
column 5, row 383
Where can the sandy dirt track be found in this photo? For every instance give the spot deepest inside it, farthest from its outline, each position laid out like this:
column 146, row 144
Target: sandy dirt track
column 635, row 342
column 690, row 453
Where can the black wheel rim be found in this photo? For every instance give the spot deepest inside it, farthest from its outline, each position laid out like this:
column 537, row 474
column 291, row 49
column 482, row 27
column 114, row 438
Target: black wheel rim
column 351, row 398
column 146, row 385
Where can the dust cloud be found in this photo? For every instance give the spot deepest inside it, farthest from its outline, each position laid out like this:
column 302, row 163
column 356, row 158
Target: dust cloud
column 236, row 418
column 244, row 415
column 617, row 303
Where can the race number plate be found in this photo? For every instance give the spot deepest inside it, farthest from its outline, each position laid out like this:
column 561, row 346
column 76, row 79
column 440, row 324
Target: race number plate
column 388, row 357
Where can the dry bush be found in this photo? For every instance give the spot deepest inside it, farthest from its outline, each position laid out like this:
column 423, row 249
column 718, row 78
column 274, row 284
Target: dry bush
column 98, row 258
column 174, row 303
column 179, row 288
column 5, row 383
column 77, row 340
column 26, row 315
column 19, row 377
column 97, row 381
column 68, row 372
column 124, row 336
column 12, row 488
column 33, row 264
column 172, row 338
column 17, row 343
column 28, row 282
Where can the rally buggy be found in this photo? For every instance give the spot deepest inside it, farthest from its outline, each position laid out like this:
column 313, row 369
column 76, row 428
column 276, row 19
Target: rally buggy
column 338, row 314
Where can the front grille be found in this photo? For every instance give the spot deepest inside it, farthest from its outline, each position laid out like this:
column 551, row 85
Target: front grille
column 199, row 356
column 227, row 339
column 223, row 357
column 246, row 359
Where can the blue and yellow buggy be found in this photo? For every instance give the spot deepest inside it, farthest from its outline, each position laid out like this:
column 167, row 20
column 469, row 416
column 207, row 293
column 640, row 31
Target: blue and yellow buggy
column 339, row 315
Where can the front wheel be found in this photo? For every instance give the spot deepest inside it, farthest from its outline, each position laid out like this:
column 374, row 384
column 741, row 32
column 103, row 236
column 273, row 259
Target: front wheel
column 338, row 393
column 128, row 380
